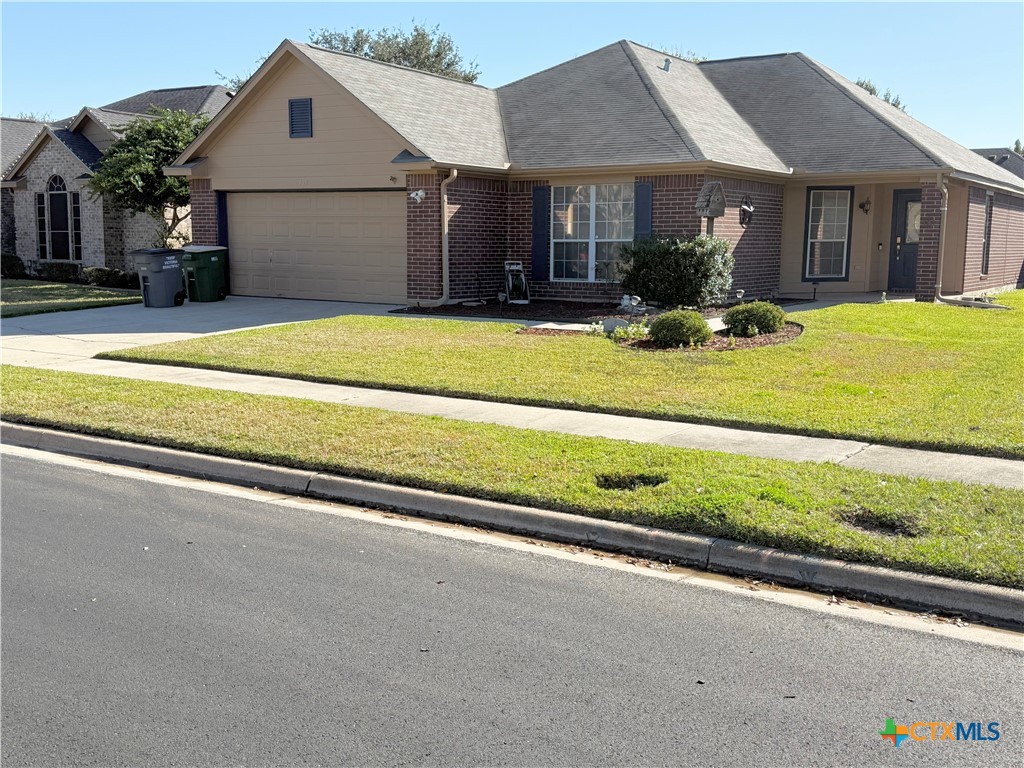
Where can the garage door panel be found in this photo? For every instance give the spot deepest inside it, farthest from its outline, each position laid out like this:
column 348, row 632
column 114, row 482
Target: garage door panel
column 328, row 245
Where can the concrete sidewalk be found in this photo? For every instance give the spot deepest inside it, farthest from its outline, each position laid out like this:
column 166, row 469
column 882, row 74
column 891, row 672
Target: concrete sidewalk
column 67, row 341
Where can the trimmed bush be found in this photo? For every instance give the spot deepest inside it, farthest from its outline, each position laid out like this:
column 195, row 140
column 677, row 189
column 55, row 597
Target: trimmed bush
column 110, row 278
column 59, row 272
column 677, row 272
column 754, row 318
column 679, row 328
column 11, row 266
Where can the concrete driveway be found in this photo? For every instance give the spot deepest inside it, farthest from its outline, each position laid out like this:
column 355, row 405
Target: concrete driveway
column 58, row 338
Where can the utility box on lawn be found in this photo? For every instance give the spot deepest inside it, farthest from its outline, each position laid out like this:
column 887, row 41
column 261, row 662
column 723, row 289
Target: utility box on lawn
column 206, row 272
column 160, row 276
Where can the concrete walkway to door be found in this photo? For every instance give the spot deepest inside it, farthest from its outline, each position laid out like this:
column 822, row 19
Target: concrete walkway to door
column 67, row 341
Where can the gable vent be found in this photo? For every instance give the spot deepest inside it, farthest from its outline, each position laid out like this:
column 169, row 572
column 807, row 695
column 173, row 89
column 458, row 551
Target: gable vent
column 300, row 118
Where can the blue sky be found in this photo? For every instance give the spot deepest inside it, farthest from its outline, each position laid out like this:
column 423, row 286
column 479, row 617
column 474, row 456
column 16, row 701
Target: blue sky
column 958, row 66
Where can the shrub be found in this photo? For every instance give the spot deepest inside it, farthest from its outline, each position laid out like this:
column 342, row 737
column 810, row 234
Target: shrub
column 675, row 272
column 59, row 272
column 754, row 318
column 110, row 278
column 11, row 266
column 678, row 328
column 630, row 332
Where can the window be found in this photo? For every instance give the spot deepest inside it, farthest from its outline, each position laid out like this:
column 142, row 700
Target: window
column 987, row 236
column 59, row 222
column 300, row 118
column 589, row 223
column 828, row 233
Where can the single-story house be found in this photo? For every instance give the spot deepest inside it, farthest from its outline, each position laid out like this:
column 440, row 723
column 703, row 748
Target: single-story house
column 48, row 215
column 331, row 176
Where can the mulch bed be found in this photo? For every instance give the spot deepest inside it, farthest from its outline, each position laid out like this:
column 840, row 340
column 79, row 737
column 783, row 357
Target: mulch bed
column 719, row 342
column 549, row 310
column 549, row 332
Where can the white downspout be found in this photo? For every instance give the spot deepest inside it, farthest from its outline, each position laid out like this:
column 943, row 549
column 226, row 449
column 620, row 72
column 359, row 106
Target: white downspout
column 942, row 236
column 444, row 244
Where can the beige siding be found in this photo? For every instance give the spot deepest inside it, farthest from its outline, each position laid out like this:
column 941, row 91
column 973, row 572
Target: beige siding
column 97, row 134
column 351, row 148
column 345, row 246
column 955, row 246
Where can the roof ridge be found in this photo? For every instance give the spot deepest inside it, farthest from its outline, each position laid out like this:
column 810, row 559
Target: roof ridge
column 389, row 64
column 25, row 120
column 662, row 103
column 750, row 58
column 820, row 69
column 560, row 64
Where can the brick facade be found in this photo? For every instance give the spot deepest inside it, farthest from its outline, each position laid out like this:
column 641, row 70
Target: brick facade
column 8, row 232
column 757, row 249
column 204, row 212
column 423, row 238
column 673, row 204
column 477, row 237
column 928, row 244
column 1006, row 246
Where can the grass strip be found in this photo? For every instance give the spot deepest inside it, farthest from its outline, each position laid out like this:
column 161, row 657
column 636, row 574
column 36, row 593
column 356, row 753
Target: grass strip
column 922, row 375
column 32, row 297
column 969, row 532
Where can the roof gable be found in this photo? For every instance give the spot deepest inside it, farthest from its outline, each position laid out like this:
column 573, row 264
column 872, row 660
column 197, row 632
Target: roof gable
column 16, row 136
column 76, row 144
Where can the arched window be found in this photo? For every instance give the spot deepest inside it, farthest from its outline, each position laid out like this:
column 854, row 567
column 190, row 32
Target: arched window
column 59, row 222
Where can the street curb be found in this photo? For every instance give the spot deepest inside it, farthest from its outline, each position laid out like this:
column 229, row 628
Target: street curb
column 998, row 605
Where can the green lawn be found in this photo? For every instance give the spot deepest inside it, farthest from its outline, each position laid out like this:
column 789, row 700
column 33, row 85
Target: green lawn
column 971, row 532
column 925, row 375
column 32, row 297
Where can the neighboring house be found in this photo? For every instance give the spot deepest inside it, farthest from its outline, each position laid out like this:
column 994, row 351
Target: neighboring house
column 1004, row 158
column 48, row 214
column 332, row 176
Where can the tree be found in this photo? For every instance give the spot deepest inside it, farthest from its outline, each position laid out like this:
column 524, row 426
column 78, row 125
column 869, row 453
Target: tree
column 130, row 175
column 888, row 97
column 35, row 117
column 426, row 49
column 1018, row 148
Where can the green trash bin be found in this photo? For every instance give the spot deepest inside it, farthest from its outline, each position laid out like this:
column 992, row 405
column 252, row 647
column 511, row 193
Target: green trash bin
column 206, row 272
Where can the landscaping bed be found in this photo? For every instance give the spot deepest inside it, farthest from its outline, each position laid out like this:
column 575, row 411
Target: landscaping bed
column 969, row 532
column 723, row 341
column 32, row 297
column 911, row 374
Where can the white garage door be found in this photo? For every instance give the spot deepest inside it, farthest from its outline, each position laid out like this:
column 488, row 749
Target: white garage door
column 346, row 246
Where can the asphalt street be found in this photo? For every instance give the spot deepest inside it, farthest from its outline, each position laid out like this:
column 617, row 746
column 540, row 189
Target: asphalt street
column 150, row 624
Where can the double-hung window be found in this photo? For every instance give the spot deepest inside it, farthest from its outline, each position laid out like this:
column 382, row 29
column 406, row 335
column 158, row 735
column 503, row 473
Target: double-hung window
column 589, row 224
column 827, row 247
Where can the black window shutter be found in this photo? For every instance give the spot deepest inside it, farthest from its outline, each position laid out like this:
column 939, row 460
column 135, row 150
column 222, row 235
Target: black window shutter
column 642, row 205
column 541, row 245
column 300, row 118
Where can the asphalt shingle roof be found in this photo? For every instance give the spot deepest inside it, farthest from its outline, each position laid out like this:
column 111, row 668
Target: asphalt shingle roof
column 116, row 121
column 15, row 137
column 80, row 146
column 1004, row 158
column 198, row 100
column 447, row 120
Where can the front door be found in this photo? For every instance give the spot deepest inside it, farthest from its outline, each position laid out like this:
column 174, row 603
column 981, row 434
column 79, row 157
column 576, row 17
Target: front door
column 906, row 231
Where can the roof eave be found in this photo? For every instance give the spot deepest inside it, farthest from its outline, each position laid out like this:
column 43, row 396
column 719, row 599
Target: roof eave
column 1000, row 185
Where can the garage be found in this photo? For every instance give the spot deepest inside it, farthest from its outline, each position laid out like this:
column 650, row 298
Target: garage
column 342, row 246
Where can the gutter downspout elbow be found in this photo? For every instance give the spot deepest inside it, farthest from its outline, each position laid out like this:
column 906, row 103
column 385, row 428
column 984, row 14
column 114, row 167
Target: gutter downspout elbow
column 444, row 244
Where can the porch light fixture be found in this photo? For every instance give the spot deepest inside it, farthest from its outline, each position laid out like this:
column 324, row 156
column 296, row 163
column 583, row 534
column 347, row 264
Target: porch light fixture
column 866, row 206
column 746, row 211
column 418, row 195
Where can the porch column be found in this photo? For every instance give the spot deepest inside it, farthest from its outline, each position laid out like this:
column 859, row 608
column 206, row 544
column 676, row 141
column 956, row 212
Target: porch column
column 928, row 246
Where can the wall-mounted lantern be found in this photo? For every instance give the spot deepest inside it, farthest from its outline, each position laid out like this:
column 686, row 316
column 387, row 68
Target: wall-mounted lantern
column 746, row 211
column 866, row 206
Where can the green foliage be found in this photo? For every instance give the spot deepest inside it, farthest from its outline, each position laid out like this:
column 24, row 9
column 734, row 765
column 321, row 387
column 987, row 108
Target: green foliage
column 424, row 48
column 677, row 272
column 11, row 266
column 1017, row 147
column 59, row 272
column 754, row 318
column 679, row 328
column 888, row 97
column 110, row 278
column 630, row 332
column 131, row 174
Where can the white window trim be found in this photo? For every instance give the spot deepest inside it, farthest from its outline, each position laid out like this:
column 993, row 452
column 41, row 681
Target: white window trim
column 808, row 277
column 592, row 242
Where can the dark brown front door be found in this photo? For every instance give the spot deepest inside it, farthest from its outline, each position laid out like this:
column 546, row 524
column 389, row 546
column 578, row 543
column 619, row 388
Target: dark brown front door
column 906, row 231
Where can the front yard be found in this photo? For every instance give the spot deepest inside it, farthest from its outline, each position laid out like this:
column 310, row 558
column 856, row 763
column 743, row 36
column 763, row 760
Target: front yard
column 970, row 532
column 924, row 375
column 32, row 297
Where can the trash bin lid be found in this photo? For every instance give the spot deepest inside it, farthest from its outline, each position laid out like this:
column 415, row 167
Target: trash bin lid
column 157, row 251
column 203, row 248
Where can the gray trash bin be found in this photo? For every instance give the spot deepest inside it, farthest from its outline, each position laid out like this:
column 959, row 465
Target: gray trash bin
column 160, row 276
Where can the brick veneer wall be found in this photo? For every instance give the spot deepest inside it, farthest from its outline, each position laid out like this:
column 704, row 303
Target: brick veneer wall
column 8, row 234
column 204, row 212
column 928, row 244
column 423, row 238
column 757, row 249
column 1006, row 249
column 477, row 237
column 673, row 201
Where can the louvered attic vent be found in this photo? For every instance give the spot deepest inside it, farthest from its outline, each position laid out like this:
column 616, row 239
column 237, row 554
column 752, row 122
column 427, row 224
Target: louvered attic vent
column 300, row 118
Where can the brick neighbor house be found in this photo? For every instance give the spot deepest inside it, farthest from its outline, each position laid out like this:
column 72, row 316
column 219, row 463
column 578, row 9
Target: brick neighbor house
column 47, row 214
column 331, row 176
